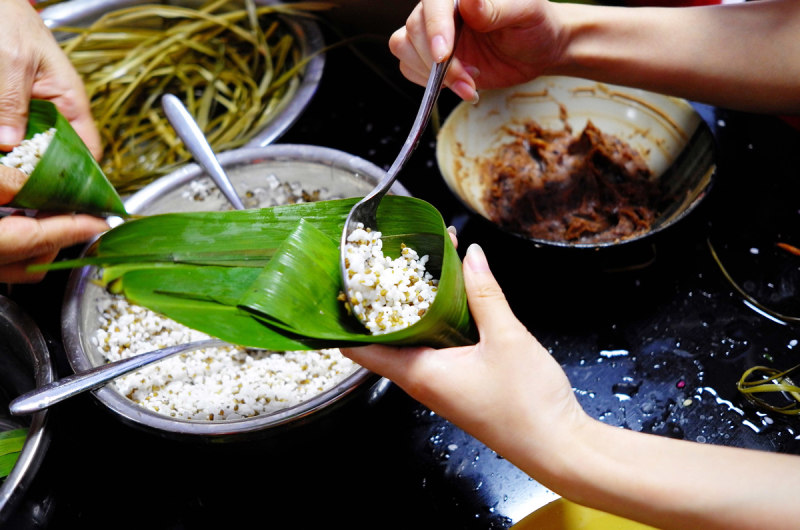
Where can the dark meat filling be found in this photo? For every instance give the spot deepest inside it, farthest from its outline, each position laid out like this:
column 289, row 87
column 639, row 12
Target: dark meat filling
column 551, row 185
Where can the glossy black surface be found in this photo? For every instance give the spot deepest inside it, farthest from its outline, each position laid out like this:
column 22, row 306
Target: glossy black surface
column 653, row 338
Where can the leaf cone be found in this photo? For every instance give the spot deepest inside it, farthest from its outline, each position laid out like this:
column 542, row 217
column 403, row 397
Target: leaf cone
column 67, row 178
column 270, row 278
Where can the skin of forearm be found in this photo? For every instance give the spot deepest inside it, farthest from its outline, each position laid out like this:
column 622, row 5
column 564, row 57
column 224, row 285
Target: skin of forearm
column 741, row 56
column 664, row 482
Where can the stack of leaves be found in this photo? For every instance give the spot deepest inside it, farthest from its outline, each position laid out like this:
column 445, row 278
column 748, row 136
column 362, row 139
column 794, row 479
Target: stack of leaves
column 11, row 443
column 234, row 66
column 270, row 278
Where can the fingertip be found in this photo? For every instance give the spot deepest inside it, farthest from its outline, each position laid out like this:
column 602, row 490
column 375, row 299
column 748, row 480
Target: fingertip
column 465, row 91
column 439, row 48
column 475, row 259
column 10, row 137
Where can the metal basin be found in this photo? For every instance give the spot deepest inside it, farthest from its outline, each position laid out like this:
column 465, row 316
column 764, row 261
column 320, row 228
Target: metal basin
column 24, row 365
column 339, row 174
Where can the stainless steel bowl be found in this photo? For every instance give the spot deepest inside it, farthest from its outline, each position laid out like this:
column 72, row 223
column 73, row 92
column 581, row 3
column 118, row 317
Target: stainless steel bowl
column 81, row 12
column 342, row 174
column 672, row 137
column 24, row 365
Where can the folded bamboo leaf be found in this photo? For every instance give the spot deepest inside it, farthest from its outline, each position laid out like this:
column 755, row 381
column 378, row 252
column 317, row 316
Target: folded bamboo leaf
column 67, row 178
column 270, row 278
column 283, row 295
column 283, row 291
column 170, row 292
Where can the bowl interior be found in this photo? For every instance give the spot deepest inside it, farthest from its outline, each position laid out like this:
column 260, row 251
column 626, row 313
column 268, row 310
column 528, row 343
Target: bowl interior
column 265, row 175
column 674, row 140
column 24, row 365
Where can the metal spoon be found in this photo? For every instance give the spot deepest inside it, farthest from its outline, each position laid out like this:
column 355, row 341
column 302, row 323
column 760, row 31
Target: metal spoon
column 194, row 139
column 64, row 388
column 364, row 211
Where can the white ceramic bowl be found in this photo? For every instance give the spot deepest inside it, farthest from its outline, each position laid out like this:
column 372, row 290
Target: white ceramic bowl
column 674, row 140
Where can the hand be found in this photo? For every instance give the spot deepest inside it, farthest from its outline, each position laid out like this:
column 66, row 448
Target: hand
column 26, row 241
column 507, row 390
column 33, row 66
column 501, row 43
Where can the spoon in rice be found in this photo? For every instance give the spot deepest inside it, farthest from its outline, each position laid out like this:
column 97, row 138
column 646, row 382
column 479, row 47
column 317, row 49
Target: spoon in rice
column 364, row 212
column 194, row 139
column 66, row 387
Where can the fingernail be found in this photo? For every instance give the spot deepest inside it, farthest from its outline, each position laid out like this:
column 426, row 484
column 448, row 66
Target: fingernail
column 465, row 91
column 476, row 259
column 452, row 230
column 472, row 71
column 439, row 48
column 10, row 136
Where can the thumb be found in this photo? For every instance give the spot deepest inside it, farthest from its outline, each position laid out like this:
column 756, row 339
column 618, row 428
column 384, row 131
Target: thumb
column 11, row 181
column 487, row 303
column 13, row 116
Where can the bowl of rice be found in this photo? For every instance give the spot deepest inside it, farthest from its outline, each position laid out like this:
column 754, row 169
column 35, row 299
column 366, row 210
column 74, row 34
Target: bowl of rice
column 229, row 393
column 569, row 162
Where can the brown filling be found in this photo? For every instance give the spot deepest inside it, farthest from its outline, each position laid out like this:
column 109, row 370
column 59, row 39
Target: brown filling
column 551, row 185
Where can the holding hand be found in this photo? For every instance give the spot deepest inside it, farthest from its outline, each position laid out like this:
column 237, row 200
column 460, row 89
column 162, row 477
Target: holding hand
column 33, row 66
column 26, row 241
column 506, row 384
column 501, row 43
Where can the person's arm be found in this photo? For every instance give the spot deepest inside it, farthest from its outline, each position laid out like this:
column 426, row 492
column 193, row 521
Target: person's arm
column 511, row 394
column 32, row 65
column 744, row 56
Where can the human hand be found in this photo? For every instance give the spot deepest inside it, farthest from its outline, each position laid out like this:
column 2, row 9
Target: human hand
column 502, row 43
column 507, row 390
column 33, row 66
column 26, row 241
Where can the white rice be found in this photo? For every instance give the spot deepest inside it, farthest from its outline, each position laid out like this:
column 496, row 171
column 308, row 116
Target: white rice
column 214, row 384
column 386, row 294
column 28, row 153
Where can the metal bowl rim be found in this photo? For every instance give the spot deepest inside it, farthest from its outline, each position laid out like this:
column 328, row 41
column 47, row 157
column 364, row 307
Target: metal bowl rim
column 33, row 451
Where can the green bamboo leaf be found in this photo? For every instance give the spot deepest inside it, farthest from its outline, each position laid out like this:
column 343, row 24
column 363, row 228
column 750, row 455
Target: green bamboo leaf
column 11, row 444
column 67, row 178
column 171, row 292
column 270, row 278
column 306, row 306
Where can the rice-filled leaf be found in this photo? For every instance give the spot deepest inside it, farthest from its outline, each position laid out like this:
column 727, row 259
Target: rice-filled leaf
column 272, row 275
column 66, row 178
column 283, row 291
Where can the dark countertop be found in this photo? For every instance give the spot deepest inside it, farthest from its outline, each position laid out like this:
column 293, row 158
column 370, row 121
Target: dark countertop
column 653, row 338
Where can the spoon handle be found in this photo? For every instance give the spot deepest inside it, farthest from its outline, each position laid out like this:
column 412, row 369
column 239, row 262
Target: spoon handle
column 194, row 139
column 432, row 89
column 57, row 391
